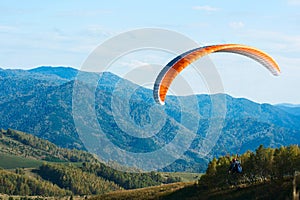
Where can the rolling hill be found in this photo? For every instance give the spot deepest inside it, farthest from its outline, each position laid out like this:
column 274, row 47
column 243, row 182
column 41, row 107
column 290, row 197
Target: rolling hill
column 39, row 101
column 75, row 172
column 33, row 166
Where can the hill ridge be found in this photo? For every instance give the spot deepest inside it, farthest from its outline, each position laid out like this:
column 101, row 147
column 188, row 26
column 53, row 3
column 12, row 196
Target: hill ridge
column 43, row 106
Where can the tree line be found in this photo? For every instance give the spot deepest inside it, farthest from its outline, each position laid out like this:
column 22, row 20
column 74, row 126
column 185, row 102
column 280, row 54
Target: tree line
column 27, row 145
column 20, row 184
column 85, row 176
column 128, row 180
column 265, row 164
column 72, row 178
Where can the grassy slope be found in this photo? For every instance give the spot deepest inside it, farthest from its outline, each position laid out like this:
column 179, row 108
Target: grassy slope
column 273, row 190
column 154, row 192
column 190, row 191
column 185, row 176
column 12, row 162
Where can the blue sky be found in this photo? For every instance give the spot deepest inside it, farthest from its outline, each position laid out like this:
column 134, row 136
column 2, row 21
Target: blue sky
column 35, row 33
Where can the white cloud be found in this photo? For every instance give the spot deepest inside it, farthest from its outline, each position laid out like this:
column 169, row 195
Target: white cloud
column 205, row 8
column 134, row 63
column 236, row 25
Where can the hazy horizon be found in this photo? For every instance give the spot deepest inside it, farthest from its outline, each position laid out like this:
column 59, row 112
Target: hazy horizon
column 151, row 88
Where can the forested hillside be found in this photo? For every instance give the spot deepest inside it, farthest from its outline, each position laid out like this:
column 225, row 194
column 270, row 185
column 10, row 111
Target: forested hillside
column 75, row 172
column 38, row 167
column 20, row 184
column 268, row 173
column 263, row 165
column 74, row 179
column 29, row 146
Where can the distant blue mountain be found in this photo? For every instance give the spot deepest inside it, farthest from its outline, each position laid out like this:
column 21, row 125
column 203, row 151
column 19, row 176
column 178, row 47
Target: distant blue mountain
column 39, row 101
column 290, row 108
column 62, row 72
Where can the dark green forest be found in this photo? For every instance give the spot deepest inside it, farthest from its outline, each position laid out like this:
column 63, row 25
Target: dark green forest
column 74, row 179
column 55, row 171
column 128, row 180
column 19, row 184
column 268, row 173
column 60, row 172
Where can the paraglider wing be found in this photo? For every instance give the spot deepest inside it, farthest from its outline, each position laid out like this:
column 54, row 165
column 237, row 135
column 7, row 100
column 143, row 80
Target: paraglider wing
column 173, row 68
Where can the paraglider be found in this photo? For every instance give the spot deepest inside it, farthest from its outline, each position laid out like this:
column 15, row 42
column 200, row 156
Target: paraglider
column 235, row 166
column 175, row 66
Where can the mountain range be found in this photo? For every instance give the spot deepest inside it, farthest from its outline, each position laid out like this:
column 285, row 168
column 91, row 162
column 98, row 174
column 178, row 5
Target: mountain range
column 40, row 101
